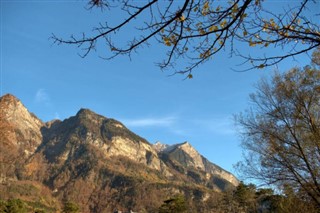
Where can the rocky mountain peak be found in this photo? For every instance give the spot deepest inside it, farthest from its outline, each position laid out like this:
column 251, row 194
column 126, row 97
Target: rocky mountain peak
column 9, row 104
column 21, row 129
column 159, row 147
column 184, row 153
column 9, row 99
column 12, row 110
column 188, row 157
column 185, row 145
column 165, row 148
column 87, row 118
column 84, row 111
column 195, row 159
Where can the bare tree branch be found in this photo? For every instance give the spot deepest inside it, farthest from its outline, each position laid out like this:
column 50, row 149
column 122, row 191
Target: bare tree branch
column 195, row 31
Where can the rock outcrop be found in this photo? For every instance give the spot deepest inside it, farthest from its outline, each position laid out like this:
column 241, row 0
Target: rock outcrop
column 19, row 127
column 20, row 135
column 185, row 159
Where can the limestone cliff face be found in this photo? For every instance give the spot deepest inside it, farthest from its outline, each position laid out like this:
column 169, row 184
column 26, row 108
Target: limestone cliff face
column 219, row 173
column 18, row 126
column 108, row 135
column 186, row 155
column 139, row 152
column 159, row 147
column 195, row 165
column 20, row 136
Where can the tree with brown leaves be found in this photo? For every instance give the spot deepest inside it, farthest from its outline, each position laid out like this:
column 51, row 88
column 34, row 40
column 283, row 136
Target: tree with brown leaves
column 281, row 132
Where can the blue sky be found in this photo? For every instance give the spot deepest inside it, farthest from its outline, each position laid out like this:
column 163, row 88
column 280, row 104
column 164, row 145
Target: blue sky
column 54, row 82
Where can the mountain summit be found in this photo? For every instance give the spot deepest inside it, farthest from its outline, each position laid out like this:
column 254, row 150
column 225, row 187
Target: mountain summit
column 20, row 135
column 185, row 156
column 98, row 163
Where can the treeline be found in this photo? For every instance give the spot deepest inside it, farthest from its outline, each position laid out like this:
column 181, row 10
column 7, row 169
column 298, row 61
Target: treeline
column 247, row 199
column 17, row 205
column 250, row 199
column 20, row 206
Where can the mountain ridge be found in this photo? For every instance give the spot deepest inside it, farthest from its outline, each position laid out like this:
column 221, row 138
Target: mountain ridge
column 100, row 156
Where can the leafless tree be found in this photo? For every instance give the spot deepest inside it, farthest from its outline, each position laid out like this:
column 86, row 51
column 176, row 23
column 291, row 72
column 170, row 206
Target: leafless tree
column 196, row 30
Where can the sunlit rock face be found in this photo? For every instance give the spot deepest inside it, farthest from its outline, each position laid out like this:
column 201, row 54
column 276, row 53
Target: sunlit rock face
column 19, row 127
column 185, row 154
column 108, row 135
column 20, row 136
column 136, row 151
column 102, row 159
column 159, row 147
column 197, row 166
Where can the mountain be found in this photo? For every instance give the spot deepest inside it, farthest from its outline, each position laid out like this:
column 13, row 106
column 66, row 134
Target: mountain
column 20, row 135
column 99, row 164
column 184, row 158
